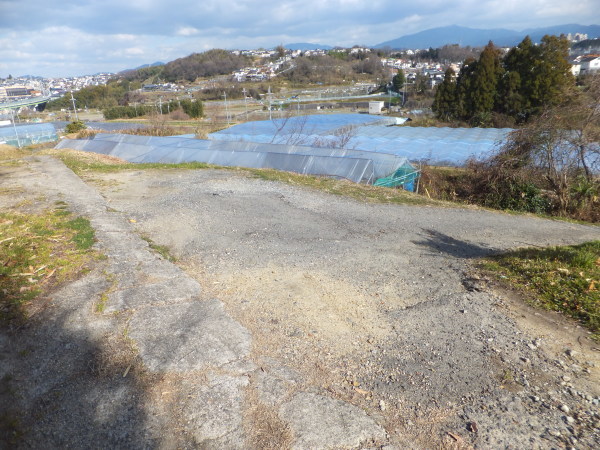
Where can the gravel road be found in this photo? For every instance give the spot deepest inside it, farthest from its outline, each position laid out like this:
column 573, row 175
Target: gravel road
column 376, row 304
column 291, row 319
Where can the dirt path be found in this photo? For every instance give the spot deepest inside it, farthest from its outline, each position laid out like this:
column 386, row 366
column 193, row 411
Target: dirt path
column 363, row 325
column 368, row 302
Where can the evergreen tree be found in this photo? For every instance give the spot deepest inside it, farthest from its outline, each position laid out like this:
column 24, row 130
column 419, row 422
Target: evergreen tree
column 510, row 101
column 464, row 88
column 485, row 81
column 444, row 104
column 543, row 75
column 398, row 81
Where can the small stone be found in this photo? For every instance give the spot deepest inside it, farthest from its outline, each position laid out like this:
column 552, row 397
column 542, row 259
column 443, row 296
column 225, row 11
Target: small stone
column 566, row 378
column 554, row 433
column 537, row 342
column 535, row 398
column 382, row 405
column 569, row 420
column 564, row 408
column 589, row 398
column 570, row 353
column 525, row 360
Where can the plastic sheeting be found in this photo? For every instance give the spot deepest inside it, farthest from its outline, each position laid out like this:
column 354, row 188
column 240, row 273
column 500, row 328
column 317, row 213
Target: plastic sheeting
column 352, row 165
column 27, row 134
column 284, row 130
column 383, row 163
column 435, row 145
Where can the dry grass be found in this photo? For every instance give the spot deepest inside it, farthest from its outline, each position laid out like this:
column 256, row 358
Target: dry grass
column 265, row 429
column 84, row 157
column 8, row 152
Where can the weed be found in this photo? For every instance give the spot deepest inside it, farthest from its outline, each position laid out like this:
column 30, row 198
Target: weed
column 162, row 250
column 565, row 279
column 38, row 252
column 101, row 305
column 84, row 233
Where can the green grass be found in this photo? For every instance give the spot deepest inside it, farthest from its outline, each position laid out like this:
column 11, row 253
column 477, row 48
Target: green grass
column 565, row 279
column 38, row 252
column 162, row 250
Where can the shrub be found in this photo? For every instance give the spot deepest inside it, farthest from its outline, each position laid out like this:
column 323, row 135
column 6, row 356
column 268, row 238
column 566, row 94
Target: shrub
column 75, row 126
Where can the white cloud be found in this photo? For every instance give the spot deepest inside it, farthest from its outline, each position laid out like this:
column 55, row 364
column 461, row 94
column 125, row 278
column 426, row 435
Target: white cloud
column 187, row 31
column 95, row 35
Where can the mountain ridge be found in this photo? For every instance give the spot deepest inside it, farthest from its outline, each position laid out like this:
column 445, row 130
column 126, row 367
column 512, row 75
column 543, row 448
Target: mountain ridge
column 477, row 37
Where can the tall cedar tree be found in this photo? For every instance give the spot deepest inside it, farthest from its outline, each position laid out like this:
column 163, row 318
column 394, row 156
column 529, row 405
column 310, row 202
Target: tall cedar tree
column 444, row 104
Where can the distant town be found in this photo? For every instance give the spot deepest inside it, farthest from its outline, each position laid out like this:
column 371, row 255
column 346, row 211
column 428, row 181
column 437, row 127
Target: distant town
column 269, row 64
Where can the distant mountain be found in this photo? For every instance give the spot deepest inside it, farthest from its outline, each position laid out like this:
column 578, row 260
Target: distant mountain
column 454, row 34
column 306, row 46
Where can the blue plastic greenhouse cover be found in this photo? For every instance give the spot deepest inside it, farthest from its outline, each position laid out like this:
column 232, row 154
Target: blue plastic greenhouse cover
column 436, row 145
column 176, row 149
column 357, row 166
column 306, row 125
column 28, row 134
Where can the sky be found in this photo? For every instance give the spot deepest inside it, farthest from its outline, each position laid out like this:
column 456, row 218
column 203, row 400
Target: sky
column 54, row 38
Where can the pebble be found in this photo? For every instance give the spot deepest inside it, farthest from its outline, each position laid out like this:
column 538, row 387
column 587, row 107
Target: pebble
column 535, row 398
column 532, row 346
column 564, row 408
column 570, row 353
column 566, row 378
column 382, row 405
column 569, row 420
column 554, row 433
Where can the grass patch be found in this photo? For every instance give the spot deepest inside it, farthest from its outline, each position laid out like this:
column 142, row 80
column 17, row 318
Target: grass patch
column 8, row 152
column 37, row 253
column 565, row 278
column 82, row 162
column 346, row 188
column 162, row 250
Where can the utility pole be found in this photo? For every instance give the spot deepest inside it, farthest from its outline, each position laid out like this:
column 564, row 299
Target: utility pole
column 74, row 108
column 15, row 127
column 226, row 110
column 160, row 103
column 245, row 103
column 269, row 95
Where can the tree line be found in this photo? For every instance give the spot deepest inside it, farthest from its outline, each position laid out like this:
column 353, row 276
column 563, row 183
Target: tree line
column 207, row 64
column 515, row 86
column 193, row 109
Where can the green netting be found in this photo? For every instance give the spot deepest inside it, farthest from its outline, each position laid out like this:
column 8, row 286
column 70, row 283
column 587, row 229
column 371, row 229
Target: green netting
column 404, row 177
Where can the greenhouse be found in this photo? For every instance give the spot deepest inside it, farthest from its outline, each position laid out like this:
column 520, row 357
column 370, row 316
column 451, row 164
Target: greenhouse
column 29, row 134
column 354, row 165
column 452, row 146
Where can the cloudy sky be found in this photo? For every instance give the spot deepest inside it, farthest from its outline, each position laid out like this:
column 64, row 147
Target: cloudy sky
column 77, row 37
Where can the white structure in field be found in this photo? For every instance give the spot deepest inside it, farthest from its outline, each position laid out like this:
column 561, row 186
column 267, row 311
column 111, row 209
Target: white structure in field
column 375, row 107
